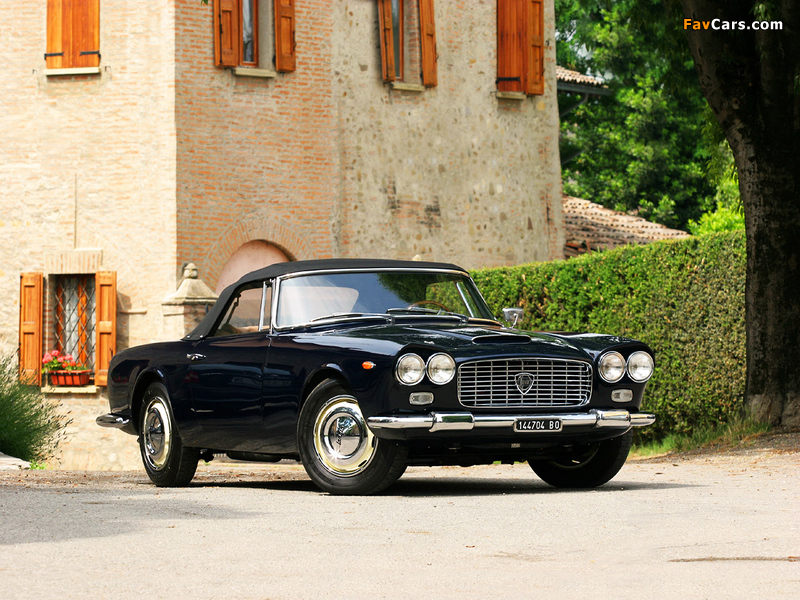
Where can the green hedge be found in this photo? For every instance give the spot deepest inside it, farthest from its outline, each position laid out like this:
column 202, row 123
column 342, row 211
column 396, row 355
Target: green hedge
column 684, row 298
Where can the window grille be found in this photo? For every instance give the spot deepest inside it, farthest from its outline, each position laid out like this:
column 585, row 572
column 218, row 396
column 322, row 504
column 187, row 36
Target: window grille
column 75, row 317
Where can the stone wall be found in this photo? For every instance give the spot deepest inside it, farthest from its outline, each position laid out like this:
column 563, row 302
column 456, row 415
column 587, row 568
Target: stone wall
column 86, row 445
column 453, row 172
column 330, row 161
column 88, row 162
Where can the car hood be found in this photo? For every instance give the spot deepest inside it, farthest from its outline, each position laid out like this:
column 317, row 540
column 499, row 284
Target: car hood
column 468, row 340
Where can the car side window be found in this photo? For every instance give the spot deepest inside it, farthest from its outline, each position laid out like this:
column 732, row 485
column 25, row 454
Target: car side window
column 244, row 312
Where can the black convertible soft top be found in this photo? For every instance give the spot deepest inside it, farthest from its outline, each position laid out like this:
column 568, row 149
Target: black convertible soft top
column 300, row 266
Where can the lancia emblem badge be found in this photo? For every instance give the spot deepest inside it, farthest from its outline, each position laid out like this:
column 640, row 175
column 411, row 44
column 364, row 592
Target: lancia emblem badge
column 524, row 382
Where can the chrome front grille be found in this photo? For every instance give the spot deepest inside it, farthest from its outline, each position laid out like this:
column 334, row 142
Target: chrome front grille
column 495, row 383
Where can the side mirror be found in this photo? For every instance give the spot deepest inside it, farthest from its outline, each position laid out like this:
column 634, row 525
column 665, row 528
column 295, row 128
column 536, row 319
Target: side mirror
column 512, row 316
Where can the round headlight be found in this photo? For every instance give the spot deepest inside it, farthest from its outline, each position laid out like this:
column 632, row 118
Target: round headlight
column 611, row 366
column 441, row 368
column 410, row 369
column 640, row 366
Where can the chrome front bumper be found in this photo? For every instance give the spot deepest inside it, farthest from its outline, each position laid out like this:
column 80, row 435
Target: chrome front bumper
column 466, row 421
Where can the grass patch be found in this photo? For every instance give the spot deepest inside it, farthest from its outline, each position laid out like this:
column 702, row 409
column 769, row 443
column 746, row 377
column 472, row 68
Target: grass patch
column 30, row 425
column 725, row 435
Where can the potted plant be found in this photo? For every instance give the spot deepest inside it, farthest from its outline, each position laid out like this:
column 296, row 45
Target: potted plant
column 63, row 370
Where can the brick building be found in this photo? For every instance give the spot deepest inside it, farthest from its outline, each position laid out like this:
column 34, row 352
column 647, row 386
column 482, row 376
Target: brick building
column 139, row 137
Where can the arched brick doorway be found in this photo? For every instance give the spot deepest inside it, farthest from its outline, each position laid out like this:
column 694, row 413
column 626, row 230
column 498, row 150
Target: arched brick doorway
column 253, row 255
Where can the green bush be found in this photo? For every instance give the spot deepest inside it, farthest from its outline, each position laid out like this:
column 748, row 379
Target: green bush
column 684, row 298
column 30, row 425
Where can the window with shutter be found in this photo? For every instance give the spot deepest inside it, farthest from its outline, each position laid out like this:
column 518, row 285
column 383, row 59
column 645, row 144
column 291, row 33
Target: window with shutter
column 81, row 321
column 255, row 33
column 73, row 34
column 407, row 34
column 31, row 317
column 520, row 46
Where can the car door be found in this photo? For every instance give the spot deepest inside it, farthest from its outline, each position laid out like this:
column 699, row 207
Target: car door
column 226, row 375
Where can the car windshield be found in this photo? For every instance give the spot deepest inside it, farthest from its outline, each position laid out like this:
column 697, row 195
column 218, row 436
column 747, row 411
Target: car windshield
column 308, row 298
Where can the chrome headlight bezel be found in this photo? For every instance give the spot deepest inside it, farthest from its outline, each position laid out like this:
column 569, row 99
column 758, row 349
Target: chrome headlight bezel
column 405, row 365
column 604, row 363
column 441, row 363
column 647, row 363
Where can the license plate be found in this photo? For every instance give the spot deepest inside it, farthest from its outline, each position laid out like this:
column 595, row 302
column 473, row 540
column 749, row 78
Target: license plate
column 543, row 424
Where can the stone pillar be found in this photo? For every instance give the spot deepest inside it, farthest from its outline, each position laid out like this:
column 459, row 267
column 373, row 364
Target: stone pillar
column 184, row 309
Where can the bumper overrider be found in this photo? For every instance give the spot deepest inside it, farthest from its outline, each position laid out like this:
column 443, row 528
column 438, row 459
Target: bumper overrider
column 540, row 423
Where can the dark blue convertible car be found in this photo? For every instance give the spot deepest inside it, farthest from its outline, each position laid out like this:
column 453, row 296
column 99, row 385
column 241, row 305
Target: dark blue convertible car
column 360, row 368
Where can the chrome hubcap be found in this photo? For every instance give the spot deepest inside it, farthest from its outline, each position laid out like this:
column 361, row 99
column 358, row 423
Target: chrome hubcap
column 157, row 433
column 342, row 440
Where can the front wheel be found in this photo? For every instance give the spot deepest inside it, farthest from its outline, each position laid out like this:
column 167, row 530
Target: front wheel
column 586, row 466
column 338, row 450
column 167, row 461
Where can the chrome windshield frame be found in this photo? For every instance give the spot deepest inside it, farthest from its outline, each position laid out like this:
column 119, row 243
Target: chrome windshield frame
column 276, row 291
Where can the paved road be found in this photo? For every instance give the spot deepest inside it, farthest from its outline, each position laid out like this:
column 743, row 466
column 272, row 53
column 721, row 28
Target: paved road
column 710, row 526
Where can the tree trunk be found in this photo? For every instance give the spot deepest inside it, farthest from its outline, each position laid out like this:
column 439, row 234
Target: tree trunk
column 751, row 80
column 772, row 296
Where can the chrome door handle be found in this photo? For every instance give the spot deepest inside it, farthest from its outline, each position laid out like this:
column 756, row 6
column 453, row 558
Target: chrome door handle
column 194, row 357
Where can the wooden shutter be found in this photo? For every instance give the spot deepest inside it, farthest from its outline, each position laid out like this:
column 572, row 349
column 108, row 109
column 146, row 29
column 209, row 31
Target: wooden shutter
column 387, row 39
column 285, row 56
column 105, row 323
column 85, row 32
column 31, row 316
column 510, row 45
column 534, row 55
column 428, row 35
column 227, row 39
column 73, row 34
column 55, row 55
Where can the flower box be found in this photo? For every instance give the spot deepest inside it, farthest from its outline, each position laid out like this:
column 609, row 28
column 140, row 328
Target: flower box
column 70, row 378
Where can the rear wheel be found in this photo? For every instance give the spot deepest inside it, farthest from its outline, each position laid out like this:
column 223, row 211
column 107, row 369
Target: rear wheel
column 167, row 461
column 338, row 450
column 585, row 466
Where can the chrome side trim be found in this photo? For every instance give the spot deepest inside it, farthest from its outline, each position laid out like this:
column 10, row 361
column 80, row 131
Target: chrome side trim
column 465, row 421
column 112, row 420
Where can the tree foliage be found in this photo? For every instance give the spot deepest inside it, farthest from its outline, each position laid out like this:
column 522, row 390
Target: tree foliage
column 648, row 147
